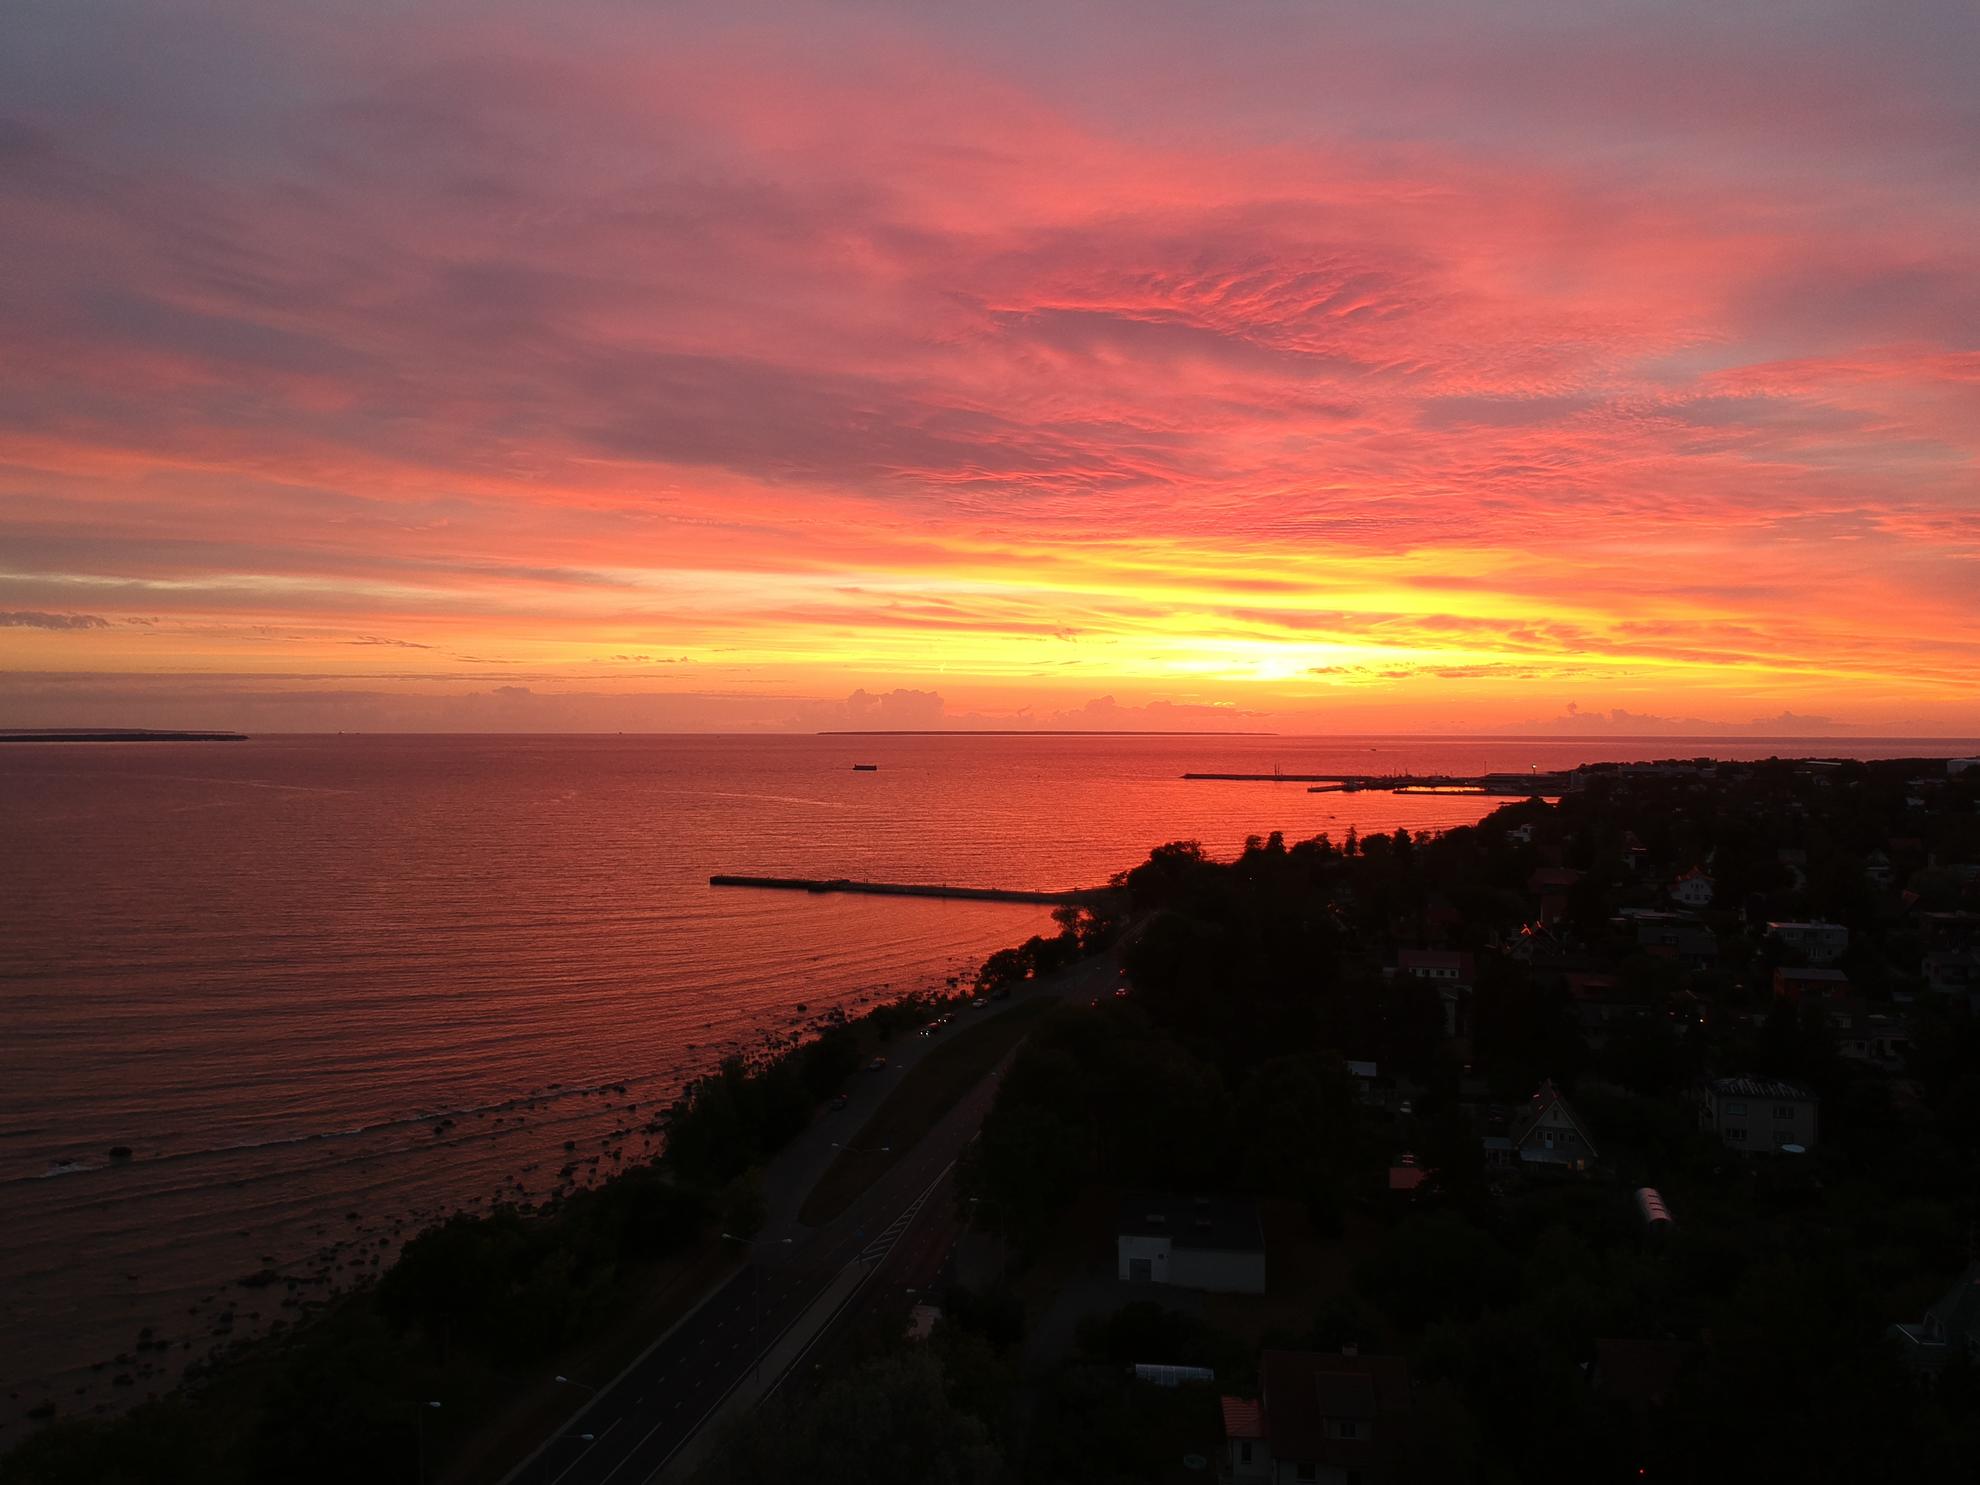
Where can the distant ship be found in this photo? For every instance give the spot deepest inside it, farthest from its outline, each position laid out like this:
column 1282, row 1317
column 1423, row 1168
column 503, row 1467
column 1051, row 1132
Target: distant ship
column 866, row 768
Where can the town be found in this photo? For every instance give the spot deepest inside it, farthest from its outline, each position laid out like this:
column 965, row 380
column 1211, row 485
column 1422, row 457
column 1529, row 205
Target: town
column 1613, row 1138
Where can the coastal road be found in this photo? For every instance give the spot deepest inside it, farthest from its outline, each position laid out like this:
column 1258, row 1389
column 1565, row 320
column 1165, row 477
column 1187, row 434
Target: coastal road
column 905, row 1222
column 915, row 1264
column 643, row 1418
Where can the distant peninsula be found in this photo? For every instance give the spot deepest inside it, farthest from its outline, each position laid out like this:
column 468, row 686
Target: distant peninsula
column 111, row 734
column 1026, row 732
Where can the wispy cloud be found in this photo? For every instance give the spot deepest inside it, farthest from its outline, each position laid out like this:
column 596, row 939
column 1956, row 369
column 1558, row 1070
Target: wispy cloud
column 892, row 350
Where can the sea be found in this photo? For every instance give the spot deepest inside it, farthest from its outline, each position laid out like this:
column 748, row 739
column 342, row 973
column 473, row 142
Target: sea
column 327, row 990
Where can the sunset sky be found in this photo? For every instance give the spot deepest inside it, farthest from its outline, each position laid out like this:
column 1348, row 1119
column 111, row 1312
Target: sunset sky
column 1593, row 366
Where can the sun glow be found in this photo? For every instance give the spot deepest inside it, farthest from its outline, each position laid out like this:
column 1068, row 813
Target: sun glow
column 910, row 361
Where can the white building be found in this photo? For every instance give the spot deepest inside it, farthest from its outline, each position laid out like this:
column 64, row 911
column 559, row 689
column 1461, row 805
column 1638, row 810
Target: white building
column 1202, row 1242
column 1818, row 943
column 1693, row 889
column 1760, row 1114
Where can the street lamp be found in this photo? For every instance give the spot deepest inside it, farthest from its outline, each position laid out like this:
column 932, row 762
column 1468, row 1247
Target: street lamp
column 419, row 1430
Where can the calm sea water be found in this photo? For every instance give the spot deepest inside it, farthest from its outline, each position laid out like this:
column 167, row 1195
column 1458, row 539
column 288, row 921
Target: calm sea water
column 274, row 969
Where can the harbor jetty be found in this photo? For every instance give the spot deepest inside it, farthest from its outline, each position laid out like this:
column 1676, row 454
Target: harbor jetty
column 1520, row 785
column 913, row 889
column 111, row 735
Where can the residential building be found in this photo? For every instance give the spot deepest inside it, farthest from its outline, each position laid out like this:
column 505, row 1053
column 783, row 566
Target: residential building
column 1331, row 1420
column 1864, row 1035
column 1818, row 943
column 1546, row 1132
column 1553, row 884
column 1693, row 889
column 1760, row 1114
column 1210, row 1243
column 1451, row 972
column 1444, row 966
column 1676, row 936
column 1792, row 981
column 1950, row 1329
column 1951, row 971
column 1406, row 1175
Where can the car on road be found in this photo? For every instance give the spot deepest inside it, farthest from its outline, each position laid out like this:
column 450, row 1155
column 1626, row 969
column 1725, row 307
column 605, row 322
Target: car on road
column 1120, row 992
column 877, row 1064
column 839, row 1100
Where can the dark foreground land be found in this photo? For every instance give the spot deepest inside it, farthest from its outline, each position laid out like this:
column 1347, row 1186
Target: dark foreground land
column 1440, row 1071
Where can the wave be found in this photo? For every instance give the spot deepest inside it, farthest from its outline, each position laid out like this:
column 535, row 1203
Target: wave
column 355, row 1131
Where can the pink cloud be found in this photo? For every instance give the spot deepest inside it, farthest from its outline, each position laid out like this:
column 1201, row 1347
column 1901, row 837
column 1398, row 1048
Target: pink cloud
column 465, row 320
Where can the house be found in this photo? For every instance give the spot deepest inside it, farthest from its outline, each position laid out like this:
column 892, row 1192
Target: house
column 1210, row 1243
column 1864, row 1035
column 1445, row 966
column 1951, row 972
column 1552, row 884
column 1950, row 1329
column 1791, row 982
column 1600, row 998
column 1546, row 1132
column 1818, row 943
column 1750, row 1114
column 1406, row 1175
column 1676, row 936
column 1693, row 889
column 1451, row 972
column 1635, row 853
column 1333, row 1420
column 1535, row 943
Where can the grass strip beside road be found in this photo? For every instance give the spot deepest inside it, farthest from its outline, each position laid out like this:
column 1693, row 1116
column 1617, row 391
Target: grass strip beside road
column 933, row 1086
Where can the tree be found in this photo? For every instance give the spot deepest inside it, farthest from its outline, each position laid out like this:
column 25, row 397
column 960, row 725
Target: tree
column 887, row 1422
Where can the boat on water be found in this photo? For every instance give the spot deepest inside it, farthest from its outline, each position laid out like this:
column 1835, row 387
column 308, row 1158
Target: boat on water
column 866, row 768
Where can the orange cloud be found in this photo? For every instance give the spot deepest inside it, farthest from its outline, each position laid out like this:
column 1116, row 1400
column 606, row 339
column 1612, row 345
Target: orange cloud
column 896, row 353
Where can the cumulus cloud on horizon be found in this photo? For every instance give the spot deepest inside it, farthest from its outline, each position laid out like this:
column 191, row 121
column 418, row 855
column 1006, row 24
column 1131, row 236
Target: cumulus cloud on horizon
column 28, row 619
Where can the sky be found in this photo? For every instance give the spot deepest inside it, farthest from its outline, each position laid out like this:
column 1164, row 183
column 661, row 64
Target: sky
column 1597, row 367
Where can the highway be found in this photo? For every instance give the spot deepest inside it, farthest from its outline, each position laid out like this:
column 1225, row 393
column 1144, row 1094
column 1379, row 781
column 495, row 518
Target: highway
column 903, row 1227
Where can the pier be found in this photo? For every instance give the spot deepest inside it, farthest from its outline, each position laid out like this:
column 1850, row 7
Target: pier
column 1515, row 785
column 1075, row 897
